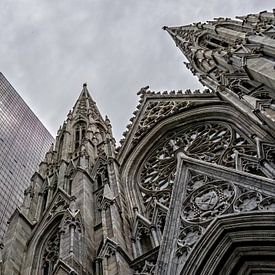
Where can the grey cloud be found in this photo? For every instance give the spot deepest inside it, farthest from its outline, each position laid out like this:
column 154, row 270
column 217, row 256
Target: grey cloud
column 49, row 48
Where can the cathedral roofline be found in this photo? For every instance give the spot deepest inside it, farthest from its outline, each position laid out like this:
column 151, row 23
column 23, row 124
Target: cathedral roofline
column 134, row 133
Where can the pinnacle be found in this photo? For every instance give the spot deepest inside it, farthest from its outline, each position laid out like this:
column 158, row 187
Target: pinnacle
column 86, row 105
column 85, row 91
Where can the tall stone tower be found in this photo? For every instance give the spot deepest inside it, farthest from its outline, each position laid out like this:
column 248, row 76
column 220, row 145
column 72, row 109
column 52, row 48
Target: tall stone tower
column 189, row 191
column 72, row 217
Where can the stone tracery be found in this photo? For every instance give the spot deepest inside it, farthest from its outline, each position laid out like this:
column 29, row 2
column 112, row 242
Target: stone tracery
column 51, row 253
column 157, row 110
column 214, row 142
column 209, row 199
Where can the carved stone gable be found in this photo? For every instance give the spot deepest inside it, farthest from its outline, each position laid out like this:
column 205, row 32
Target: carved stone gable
column 206, row 197
column 60, row 202
column 155, row 107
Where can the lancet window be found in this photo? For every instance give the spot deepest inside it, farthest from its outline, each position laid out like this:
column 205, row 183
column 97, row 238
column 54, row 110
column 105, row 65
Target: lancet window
column 44, row 199
column 60, row 146
column 54, row 184
column 80, row 132
column 143, row 240
column 211, row 141
column 51, row 253
column 98, row 206
column 70, row 185
column 102, row 176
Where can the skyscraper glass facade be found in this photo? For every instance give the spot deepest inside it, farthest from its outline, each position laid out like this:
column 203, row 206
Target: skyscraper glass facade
column 24, row 142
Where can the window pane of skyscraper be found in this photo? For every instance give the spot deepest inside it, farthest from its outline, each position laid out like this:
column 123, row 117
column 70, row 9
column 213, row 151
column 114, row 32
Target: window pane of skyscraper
column 23, row 143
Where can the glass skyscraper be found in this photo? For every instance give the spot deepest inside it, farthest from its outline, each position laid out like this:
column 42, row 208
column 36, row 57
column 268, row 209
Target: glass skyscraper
column 24, row 142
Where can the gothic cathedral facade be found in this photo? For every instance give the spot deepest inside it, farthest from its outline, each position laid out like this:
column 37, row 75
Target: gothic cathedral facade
column 191, row 189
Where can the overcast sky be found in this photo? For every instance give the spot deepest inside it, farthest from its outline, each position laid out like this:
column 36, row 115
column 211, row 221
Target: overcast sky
column 49, row 48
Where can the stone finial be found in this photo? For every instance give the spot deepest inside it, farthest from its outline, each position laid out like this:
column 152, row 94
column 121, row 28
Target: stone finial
column 107, row 120
column 143, row 90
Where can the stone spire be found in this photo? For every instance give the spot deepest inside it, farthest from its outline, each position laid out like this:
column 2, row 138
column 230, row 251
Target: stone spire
column 184, row 37
column 86, row 106
column 235, row 58
column 84, row 129
column 77, row 184
column 225, row 46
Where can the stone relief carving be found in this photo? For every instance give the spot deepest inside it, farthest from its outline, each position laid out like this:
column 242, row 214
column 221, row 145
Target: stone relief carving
column 160, row 222
column 267, row 204
column 196, row 181
column 72, row 221
column 142, row 231
column 188, row 236
column 209, row 198
column 248, row 201
column 208, row 201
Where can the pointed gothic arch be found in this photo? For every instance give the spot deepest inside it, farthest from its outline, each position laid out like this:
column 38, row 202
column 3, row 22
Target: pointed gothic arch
column 44, row 195
column 80, row 130
column 219, row 113
column 244, row 244
column 50, row 253
column 60, row 145
column 72, row 235
column 142, row 236
column 100, row 173
column 70, row 172
column 216, row 130
column 44, row 247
